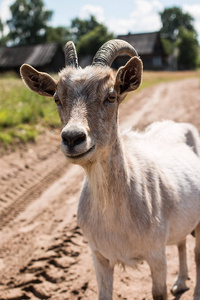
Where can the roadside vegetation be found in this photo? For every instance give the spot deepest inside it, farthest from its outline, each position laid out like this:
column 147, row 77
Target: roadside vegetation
column 24, row 115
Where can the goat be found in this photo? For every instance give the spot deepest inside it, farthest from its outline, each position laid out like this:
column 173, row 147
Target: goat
column 142, row 190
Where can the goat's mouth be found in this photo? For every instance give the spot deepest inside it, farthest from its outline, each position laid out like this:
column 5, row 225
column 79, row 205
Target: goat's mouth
column 77, row 156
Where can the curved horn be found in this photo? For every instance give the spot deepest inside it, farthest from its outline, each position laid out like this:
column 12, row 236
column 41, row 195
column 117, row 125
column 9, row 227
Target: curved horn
column 110, row 50
column 71, row 58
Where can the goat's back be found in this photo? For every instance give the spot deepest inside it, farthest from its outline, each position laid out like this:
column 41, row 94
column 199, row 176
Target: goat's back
column 172, row 133
column 166, row 134
column 170, row 152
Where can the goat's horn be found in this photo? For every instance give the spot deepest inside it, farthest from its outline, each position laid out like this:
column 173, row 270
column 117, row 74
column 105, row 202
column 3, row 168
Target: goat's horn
column 110, row 50
column 71, row 58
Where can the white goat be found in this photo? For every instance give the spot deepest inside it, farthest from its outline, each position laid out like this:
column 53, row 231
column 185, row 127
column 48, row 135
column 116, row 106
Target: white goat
column 142, row 190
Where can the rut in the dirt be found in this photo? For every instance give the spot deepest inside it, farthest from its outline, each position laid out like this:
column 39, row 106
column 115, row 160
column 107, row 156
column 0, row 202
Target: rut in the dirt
column 43, row 276
column 30, row 194
column 25, row 175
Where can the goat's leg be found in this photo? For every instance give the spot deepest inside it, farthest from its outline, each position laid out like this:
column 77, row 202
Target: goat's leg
column 104, row 274
column 180, row 284
column 197, row 260
column 158, row 266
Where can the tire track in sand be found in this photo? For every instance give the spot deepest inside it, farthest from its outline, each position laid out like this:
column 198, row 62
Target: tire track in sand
column 30, row 193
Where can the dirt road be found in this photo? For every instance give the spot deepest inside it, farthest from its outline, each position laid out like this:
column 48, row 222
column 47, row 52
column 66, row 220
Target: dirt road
column 43, row 254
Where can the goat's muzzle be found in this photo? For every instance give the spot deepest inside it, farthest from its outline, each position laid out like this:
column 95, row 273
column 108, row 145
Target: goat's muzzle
column 73, row 137
column 75, row 142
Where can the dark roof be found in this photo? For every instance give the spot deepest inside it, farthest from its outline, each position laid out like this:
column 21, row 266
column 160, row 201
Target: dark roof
column 35, row 55
column 144, row 43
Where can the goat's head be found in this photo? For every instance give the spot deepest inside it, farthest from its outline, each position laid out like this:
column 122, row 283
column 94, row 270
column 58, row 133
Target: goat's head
column 88, row 99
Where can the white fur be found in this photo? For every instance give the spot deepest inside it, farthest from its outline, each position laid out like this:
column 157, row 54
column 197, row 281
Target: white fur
column 152, row 184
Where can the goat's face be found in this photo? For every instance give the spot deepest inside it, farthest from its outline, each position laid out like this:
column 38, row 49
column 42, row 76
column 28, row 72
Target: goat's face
column 87, row 105
column 87, row 101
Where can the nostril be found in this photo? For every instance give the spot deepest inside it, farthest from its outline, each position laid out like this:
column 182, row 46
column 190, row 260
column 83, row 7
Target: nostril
column 64, row 137
column 73, row 138
column 80, row 139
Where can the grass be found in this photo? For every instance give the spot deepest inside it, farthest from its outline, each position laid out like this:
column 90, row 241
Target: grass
column 22, row 110
column 24, row 114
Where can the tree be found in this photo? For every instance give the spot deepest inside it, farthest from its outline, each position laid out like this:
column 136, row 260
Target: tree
column 59, row 35
column 188, row 49
column 1, row 27
column 89, row 35
column 1, row 32
column 179, row 36
column 93, row 40
column 81, row 27
column 28, row 24
column 172, row 20
column 3, row 38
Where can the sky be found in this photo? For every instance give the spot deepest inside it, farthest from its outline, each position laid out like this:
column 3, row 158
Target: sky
column 121, row 17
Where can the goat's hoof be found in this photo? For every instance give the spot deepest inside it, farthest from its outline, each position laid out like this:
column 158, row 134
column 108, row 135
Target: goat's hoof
column 179, row 289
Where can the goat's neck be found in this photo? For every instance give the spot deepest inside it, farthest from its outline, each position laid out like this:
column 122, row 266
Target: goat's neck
column 108, row 175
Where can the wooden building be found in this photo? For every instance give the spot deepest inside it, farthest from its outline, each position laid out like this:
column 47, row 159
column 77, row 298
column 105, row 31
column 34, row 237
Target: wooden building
column 149, row 48
column 44, row 57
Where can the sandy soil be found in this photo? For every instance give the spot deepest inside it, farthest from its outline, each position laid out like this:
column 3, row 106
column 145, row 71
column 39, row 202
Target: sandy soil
column 43, row 254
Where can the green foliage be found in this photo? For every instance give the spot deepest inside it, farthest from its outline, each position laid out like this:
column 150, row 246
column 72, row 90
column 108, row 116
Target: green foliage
column 21, row 111
column 3, row 38
column 5, row 138
column 167, row 45
column 178, row 34
column 188, row 49
column 1, row 32
column 89, row 35
column 1, row 27
column 93, row 40
column 81, row 27
column 21, row 133
column 28, row 23
column 172, row 20
column 59, row 35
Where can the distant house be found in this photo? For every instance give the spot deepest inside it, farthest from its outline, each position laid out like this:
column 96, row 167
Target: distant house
column 149, row 48
column 44, row 57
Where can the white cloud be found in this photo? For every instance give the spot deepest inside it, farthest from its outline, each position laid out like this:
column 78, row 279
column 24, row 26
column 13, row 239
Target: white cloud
column 5, row 10
column 88, row 10
column 144, row 18
column 194, row 11
column 5, row 13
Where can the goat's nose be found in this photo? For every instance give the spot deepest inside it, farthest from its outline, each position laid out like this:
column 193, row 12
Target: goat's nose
column 73, row 137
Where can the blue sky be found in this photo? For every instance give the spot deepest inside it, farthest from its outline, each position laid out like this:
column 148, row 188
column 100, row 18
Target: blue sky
column 120, row 17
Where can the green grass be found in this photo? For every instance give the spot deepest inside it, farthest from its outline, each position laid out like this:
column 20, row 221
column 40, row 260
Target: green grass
column 22, row 110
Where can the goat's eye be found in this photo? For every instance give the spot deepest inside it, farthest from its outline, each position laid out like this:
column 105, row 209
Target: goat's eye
column 110, row 99
column 57, row 100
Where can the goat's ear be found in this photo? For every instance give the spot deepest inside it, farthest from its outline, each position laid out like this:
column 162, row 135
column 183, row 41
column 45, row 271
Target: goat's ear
column 39, row 82
column 129, row 77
